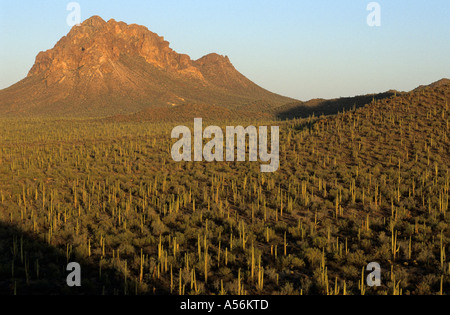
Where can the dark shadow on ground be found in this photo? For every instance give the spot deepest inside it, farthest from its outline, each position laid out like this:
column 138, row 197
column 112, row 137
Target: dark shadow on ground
column 29, row 266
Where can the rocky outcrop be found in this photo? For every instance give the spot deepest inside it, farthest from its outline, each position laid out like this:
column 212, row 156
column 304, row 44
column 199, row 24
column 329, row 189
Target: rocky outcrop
column 95, row 47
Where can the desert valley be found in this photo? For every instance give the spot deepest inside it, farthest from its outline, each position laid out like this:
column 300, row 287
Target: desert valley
column 87, row 175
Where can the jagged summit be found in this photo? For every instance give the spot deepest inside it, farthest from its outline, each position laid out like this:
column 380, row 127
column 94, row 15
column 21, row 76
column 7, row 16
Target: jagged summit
column 95, row 46
column 95, row 21
column 105, row 68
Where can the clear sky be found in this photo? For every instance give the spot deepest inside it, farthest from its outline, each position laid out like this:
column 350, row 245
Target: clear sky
column 299, row 48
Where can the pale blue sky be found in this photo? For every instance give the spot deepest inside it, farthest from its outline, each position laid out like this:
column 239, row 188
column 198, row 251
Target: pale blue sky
column 303, row 49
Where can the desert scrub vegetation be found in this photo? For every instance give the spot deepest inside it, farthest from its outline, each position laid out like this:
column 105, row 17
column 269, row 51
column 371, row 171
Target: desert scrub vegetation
column 370, row 184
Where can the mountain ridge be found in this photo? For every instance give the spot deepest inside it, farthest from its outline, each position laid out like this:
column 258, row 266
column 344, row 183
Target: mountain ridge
column 319, row 106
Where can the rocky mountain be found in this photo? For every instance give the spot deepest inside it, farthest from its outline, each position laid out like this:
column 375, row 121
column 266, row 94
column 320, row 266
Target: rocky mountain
column 108, row 68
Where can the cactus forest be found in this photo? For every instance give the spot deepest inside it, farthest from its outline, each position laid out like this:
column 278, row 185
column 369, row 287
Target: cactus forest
column 370, row 184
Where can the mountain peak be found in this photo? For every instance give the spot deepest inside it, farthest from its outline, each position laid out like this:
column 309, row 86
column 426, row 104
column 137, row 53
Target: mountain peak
column 114, row 67
column 214, row 58
column 94, row 48
column 94, row 21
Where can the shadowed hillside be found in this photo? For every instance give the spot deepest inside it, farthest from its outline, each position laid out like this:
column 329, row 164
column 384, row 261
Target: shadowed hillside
column 318, row 107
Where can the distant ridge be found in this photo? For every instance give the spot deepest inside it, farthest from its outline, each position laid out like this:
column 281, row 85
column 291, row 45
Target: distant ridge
column 326, row 107
column 108, row 68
